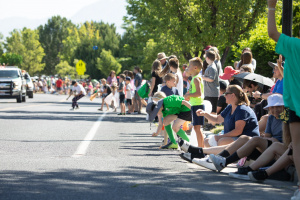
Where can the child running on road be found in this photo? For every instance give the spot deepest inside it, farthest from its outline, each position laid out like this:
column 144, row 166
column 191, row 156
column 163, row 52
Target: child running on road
column 79, row 93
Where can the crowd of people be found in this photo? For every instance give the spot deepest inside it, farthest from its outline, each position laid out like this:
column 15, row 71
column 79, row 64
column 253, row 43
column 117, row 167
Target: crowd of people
column 260, row 115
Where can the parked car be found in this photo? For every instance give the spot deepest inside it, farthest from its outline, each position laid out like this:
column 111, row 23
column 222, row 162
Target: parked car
column 12, row 83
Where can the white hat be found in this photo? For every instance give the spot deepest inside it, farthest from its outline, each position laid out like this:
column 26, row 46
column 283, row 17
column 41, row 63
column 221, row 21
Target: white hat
column 274, row 100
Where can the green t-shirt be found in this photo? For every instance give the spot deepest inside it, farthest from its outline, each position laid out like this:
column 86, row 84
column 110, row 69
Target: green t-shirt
column 173, row 105
column 289, row 47
column 196, row 101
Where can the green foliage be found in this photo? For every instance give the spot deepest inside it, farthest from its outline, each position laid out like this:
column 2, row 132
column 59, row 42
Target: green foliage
column 51, row 38
column 26, row 44
column 186, row 27
column 107, row 62
column 64, row 69
column 11, row 59
column 1, row 44
column 296, row 19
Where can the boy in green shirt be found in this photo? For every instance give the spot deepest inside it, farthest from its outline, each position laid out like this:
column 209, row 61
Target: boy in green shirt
column 196, row 96
column 173, row 108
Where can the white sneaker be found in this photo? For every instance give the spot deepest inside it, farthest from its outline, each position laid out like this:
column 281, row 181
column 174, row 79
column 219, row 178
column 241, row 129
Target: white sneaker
column 205, row 162
column 218, row 161
column 72, row 109
column 296, row 195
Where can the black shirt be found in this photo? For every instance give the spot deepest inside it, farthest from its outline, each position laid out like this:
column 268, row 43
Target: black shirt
column 222, row 103
column 158, row 80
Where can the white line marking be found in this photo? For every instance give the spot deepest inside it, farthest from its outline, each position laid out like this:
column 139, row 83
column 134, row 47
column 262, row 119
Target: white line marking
column 83, row 146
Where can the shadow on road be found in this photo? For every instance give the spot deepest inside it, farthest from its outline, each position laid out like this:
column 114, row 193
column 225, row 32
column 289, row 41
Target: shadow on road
column 129, row 183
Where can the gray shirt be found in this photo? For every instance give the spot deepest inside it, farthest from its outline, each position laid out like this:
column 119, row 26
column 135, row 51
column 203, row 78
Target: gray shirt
column 274, row 127
column 219, row 67
column 138, row 78
column 211, row 89
column 121, row 87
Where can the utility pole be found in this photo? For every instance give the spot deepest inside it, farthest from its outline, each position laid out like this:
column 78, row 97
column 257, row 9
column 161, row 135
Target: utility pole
column 287, row 17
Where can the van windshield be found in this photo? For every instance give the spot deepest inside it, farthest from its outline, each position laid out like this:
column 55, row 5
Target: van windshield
column 9, row 74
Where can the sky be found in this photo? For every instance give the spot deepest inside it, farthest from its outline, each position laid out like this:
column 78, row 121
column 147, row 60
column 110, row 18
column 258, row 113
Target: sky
column 32, row 13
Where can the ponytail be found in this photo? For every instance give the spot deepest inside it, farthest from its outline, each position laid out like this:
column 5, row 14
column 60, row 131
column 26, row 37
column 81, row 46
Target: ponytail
column 164, row 71
column 244, row 99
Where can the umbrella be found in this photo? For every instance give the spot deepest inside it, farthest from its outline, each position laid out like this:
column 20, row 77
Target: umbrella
column 256, row 78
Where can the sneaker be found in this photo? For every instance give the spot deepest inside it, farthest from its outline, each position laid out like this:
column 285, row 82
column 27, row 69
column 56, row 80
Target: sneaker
column 77, row 107
column 205, row 162
column 170, row 145
column 258, row 176
column 184, row 145
column 136, row 112
column 120, row 114
column 218, row 161
column 189, row 156
column 72, row 109
column 100, row 109
column 242, row 174
column 296, row 195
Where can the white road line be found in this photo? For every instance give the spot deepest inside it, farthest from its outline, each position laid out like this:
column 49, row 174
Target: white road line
column 83, row 146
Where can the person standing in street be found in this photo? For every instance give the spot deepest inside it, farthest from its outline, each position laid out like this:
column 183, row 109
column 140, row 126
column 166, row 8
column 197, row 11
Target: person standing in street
column 79, row 93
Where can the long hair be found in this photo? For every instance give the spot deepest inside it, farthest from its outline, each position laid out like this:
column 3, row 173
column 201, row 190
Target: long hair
column 164, row 71
column 156, row 67
column 246, row 58
column 240, row 94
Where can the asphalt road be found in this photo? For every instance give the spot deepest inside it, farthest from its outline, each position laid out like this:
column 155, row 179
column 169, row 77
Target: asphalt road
column 49, row 152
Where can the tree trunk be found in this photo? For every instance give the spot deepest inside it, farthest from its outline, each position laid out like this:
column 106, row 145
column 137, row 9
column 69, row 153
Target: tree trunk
column 224, row 56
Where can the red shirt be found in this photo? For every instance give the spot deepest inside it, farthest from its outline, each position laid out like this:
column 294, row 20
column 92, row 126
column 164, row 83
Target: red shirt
column 59, row 83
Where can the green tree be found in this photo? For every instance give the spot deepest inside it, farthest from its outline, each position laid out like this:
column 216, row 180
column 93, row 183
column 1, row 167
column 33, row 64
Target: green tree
column 185, row 27
column 107, row 62
column 1, row 44
column 51, row 37
column 64, row 69
column 11, row 59
column 26, row 44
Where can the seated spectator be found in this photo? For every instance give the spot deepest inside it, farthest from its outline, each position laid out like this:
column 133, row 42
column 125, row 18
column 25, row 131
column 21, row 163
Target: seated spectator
column 228, row 75
column 238, row 118
column 258, row 103
column 255, row 146
column 222, row 100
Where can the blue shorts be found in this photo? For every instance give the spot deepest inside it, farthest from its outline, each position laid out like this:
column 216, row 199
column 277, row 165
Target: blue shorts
column 196, row 119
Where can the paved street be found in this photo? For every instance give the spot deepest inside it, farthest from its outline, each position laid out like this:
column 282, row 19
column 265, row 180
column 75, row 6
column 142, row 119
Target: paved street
column 49, row 152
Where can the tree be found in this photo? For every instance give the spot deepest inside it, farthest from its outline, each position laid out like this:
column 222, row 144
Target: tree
column 64, row 69
column 1, row 44
column 26, row 44
column 51, row 37
column 107, row 62
column 186, row 27
column 11, row 59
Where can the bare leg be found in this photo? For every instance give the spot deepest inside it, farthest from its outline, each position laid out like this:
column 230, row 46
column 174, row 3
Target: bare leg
column 255, row 143
column 200, row 135
column 268, row 155
column 262, row 124
column 294, row 128
column 177, row 124
column 281, row 163
column 225, row 141
column 233, row 147
column 214, row 150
